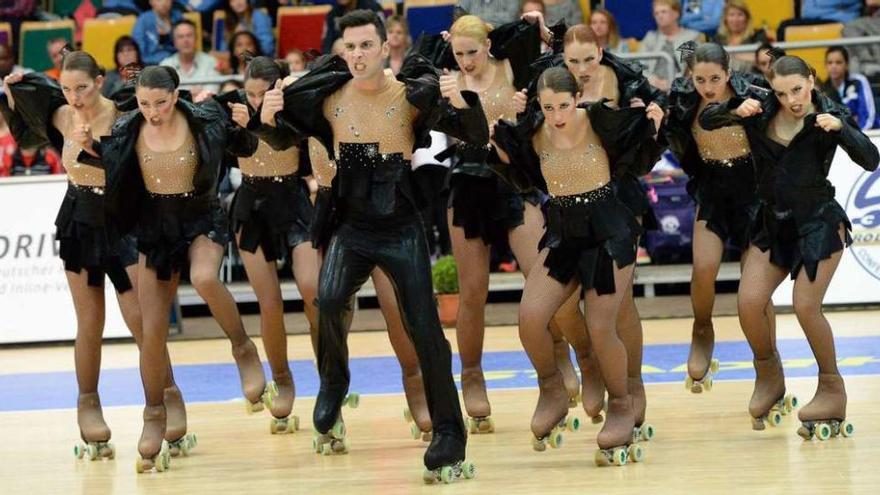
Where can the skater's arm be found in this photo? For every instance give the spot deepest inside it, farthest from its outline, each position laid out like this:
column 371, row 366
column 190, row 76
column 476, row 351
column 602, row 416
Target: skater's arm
column 847, row 134
column 734, row 111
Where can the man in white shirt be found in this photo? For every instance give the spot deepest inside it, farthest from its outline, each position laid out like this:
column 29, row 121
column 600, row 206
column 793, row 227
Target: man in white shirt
column 668, row 36
column 190, row 64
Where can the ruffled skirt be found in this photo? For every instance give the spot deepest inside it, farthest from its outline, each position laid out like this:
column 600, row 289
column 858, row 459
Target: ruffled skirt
column 727, row 201
column 631, row 193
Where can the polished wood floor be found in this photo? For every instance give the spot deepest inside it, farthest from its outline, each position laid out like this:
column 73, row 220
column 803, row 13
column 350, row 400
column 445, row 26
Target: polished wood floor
column 704, row 443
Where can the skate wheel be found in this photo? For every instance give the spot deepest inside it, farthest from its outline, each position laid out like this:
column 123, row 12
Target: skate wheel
column 78, row 451
column 326, row 449
column 92, row 451
column 758, row 424
column 805, row 432
column 184, row 447
column 647, row 432
column 556, row 439
column 714, row 366
column 573, row 424
column 295, row 423
column 315, row 447
column 253, row 407
column 344, row 446
column 774, row 418
column 689, row 383
column 847, row 429
column 415, row 432
column 636, row 453
column 601, row 458
column 407, row 415
column 708, row 382
column 273, row 426
column 823, row 431
column 446, row 474
column 427, row 436
column 111, row 451
column 538, row 444
column 468, row 470
column 428, row 476
column 472, row 425
column 491, row 427
column 139, row 465
column 353, row 400
column 619, row 456
column 791, row 403
column 338, row 429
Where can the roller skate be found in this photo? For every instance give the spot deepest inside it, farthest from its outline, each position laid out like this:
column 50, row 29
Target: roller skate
column 444, row 460
column 152, row 447
column 476, row 402
column 253, row 379
column 179, row 441
column 280, row 395
column 93, row 429
column 329, row 436
column 417, row 413
column 769, row 402
column 702, row 368
column 825, row 416
column 333, row 441
column 569, row 376
column 642, row 432
column 592, row 387
column 615, row 440
column 549, row 420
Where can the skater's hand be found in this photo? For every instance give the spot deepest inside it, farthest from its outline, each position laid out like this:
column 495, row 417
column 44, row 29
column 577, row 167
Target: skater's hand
column 82, row 135
column 273, row 102
column 828, row 122
column 748, row 108
column 9, row 81
column 520, row 100
column 655, row 113
column 240, row 114
column 636, row 102
column 449, row 89
column 446, row 36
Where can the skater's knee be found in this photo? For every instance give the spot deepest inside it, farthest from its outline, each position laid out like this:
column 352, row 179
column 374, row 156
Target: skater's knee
column 750, row 303
column 806, row 307
column 203, row 280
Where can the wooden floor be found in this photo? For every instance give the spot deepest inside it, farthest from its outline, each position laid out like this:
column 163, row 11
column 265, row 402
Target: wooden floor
column 704, row 443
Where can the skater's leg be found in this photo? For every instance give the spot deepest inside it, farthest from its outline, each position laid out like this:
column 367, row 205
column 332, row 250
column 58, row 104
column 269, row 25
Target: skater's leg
column 306, row 268
column 708, row 249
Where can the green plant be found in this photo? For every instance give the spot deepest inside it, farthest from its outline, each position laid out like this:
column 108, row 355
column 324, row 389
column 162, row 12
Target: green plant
column 444, row 274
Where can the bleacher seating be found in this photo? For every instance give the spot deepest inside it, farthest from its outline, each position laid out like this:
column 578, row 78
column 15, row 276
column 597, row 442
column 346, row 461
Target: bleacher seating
column 66, row 8
column 34, row 37
column 100, row 35
column 6, row 34
column 769, row 14
column 813, row 56
column 301, row 27
column 428, row 16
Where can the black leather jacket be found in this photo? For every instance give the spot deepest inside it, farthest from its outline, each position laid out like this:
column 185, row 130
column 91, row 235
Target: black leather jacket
column 214, row 134
column 796, row 177
column 684, row 102
column 37, row 97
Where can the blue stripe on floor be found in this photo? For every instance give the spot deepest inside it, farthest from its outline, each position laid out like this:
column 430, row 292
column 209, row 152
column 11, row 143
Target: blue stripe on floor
column 381, row 375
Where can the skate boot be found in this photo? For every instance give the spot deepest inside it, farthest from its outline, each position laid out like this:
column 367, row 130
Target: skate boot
column 444, row 460
column 549, row 420
column 569, row 376
column 93, row 429
column 615, row 439
column 769, row 402
column 702, row 368
column 280, row 394
column 253, row 379
column 642, row 432
column 179, row 441
column 476, row 402
column 417, row 413
column 329, row 436
column 152, row 447
column 825, row 416
column 592, row 387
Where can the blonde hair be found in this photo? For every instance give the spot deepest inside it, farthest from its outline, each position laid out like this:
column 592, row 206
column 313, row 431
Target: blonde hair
column 740, row 5
column 472, row 27
column 672, row 4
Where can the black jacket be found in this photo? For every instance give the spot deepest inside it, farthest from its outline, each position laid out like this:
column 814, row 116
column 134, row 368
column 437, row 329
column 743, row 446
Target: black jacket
column 37, row 97
column 684, row 102
column 796, row 178
column 626, row 134
column 213, row 132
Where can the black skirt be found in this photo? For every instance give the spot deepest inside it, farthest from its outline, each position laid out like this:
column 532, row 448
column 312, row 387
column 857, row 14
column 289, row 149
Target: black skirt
column 587, row 234
column 170, row 223
column 727, row 200
column 325, row 219
column 84, row 243
column 272, row 213
column 631, row 193
column 796, row 244
column 486, row 207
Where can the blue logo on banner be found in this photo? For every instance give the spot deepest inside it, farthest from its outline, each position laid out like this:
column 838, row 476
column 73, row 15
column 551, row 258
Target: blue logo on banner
column 863, row 208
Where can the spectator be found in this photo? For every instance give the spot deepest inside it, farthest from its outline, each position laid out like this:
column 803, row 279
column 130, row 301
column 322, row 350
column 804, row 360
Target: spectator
column 240, row 16
column 702, row 15
column 296, row 60
column 7, row 64
column 125, row 52
column 604, row 27
column 866, row 57
column 230, row 85
column 495, row 12
column 736, row 29
column 189, row 63
column 852, row 90
column 342, row 7
column 121, row 7
column 563, row 10
column 668, row 36
column 152, row 31
column 764, row 57
column 244, row 46
column 399, row 42
column 55, row 49
column 832, row 10
column 18, row 162
column 202, row 6
column 532, row 6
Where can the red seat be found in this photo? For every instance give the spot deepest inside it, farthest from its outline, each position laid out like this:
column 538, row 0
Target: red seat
column 301, row 27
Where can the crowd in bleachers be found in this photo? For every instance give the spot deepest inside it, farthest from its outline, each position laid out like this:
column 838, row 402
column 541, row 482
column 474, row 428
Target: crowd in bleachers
column 207, row 39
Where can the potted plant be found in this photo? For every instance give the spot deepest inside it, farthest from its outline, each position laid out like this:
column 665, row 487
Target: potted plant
column 444, row 275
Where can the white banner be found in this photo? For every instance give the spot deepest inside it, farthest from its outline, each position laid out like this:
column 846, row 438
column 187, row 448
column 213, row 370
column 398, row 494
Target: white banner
column 35, row 302
column 857, row 279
